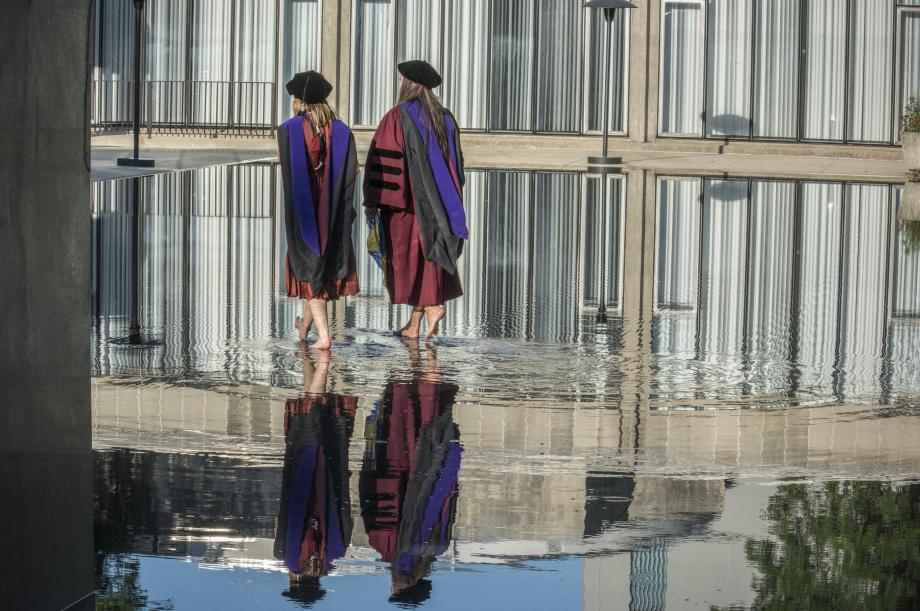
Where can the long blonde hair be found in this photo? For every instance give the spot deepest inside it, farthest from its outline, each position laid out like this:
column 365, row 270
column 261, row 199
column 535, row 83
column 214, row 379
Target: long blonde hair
column 433, row 114
column 318, row 114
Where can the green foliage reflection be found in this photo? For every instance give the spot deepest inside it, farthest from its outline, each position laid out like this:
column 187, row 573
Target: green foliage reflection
column 843, row 545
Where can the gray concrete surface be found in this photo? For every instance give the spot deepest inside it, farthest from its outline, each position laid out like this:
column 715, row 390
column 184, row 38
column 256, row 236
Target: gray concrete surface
column 105, row 167
column 46, row 483
column 827, row 162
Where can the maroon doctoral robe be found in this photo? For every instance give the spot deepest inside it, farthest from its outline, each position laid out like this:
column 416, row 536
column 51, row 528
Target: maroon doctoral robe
column 411, row 278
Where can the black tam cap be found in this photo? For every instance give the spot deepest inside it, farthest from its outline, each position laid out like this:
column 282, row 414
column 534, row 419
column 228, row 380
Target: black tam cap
column 420, row 72
column 311, row 87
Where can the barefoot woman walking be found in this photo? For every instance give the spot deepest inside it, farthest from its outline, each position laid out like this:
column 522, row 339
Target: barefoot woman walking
column 414, row 178
column 319, row 167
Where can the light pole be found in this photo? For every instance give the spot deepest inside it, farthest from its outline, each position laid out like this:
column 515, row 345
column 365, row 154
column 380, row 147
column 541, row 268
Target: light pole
column 136, row 161
column 610, row 10
column 605, row 163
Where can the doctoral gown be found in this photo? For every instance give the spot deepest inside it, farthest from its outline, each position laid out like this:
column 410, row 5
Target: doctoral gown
column 419, row 194
column 319, row 209
column 408, row 481
column 314, row 518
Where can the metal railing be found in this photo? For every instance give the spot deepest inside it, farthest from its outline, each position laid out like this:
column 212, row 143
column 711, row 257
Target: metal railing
column 216, row 108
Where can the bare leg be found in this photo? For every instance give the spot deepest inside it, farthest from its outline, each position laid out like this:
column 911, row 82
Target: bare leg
column 411, row 330
column 303, row 324
column 433, row 314
column 321, row 320
column 314, row 377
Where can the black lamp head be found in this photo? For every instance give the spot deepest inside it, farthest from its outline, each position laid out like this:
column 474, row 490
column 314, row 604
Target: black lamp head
column 139, row 5
column 609, row 4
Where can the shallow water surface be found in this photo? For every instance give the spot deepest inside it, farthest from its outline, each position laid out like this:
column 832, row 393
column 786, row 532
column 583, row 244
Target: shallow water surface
column 662, row 391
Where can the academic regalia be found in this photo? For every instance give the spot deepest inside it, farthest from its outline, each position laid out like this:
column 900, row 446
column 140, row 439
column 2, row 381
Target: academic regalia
column 408, row 482
column 420, row 197
column 318, row 208
column 314, row 518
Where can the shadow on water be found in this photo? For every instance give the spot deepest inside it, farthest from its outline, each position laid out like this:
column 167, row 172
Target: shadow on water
column 741, row 432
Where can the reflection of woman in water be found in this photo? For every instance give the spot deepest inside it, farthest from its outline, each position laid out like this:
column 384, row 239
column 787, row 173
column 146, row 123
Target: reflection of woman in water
column 408, row 483
column 318, row 167
column 314, row 519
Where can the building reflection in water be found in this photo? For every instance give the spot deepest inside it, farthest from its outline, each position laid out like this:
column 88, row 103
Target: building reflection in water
column 804, row 285
column 757, row 293
column 409, row 477
column 314, row 517
column 790, row 289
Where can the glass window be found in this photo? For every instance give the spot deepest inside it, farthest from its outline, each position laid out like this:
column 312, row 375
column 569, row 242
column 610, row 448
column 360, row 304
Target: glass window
column 466, row 66
column 678, row 243
column 776, row 80
column 768, row 330
column 908, row 58
column 869, row 81
column 419, row 31
column 729, row 56
column 677, row 255
column 820, row 220
column 601, row 237
column 864, row 294
column 825, row 63
column 512, row 66
column 299, row 51
column 559, row 66
column 507, row 236
column 211, row 45
column 595, row 47
column 373, row 82
column 722, row 265
column 682, row 69
column 255, row 62
column 554, row 263
column 166, row 58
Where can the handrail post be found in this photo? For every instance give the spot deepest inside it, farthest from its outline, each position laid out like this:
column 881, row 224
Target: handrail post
column 274, row 103
column 230, row 104
column 147, row 105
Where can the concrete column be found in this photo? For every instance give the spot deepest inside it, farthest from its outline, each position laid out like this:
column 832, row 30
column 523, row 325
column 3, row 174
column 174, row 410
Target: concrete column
column 46, row 515
column 637, row 89
column 644, row 75
column 337, row 19
column 638, row 295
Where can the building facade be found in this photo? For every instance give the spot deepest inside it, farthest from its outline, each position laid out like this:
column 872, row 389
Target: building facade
column 812, row 71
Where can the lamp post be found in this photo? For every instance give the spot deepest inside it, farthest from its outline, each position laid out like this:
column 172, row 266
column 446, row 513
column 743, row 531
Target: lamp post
column 610, row 9
column 136, row 161
column 605, row 163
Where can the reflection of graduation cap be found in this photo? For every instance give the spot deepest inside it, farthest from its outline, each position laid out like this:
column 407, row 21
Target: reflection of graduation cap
column 420, row 72
column 311, row 87
column 306, row 591
column 413, row 596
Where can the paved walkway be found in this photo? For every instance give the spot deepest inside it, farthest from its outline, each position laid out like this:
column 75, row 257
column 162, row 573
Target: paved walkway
column 484, row 151
column 104, row 166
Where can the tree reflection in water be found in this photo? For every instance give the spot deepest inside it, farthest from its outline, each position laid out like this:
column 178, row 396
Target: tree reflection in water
column 840, row 545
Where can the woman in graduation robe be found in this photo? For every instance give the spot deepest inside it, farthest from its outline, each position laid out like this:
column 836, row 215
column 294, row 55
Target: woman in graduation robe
column 319, row 168
column 409, row 481
column 414, row 179
column 314, row 523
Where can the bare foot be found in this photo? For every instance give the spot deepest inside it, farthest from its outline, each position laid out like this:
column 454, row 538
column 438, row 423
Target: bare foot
column 408, row 332
column 303, row 331
column 323, row 343
column 434, row 316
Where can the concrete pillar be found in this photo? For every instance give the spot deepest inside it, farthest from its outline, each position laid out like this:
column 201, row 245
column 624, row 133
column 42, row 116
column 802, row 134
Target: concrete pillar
column 638, row 310
column 336, row 53
column 46, row 515
column 644, row 56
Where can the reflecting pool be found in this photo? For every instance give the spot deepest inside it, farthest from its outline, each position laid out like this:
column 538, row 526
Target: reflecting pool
column 658, row 391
